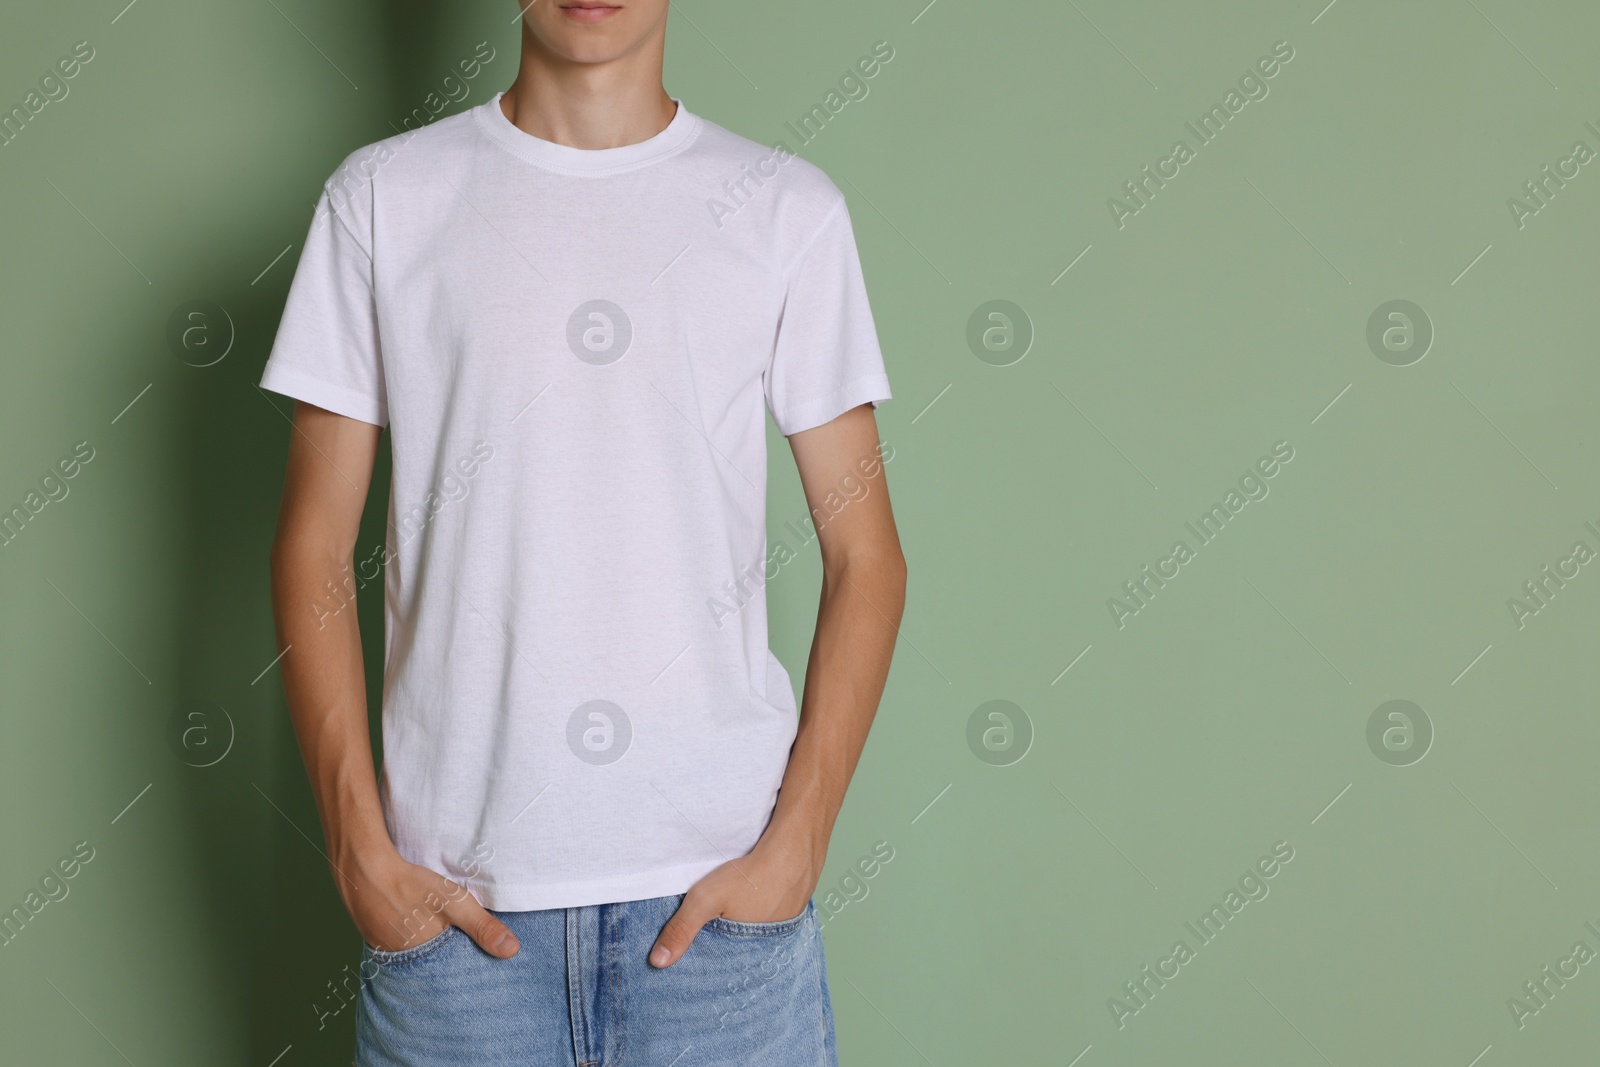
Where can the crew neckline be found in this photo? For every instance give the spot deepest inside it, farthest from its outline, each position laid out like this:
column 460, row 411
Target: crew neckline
column 676, row 136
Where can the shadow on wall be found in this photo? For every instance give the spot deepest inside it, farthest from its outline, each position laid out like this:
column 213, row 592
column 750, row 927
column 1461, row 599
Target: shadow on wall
column 271, row 916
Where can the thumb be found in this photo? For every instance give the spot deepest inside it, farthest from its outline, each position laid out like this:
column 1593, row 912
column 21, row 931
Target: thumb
column 491, row 935
column 680, row 930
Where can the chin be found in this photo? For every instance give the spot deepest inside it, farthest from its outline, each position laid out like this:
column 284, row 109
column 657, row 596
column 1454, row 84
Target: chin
column 612, row 31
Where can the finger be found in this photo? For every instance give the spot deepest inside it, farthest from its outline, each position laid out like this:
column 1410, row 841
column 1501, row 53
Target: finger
column 492, row 935
column 681, row 929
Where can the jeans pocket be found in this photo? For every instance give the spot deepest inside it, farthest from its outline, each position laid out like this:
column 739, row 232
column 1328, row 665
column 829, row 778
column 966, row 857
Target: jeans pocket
column 387, row 958
column 744, row 929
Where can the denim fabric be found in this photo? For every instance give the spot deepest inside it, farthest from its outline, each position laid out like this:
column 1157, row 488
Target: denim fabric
column 581, row 993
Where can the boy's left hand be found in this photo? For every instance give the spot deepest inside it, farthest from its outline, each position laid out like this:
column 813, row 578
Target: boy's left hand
column 773, row 883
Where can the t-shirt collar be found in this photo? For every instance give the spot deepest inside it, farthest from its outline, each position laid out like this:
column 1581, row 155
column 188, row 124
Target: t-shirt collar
column 568, row 160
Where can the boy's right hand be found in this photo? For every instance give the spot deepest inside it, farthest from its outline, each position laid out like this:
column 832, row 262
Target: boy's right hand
column 397, row 905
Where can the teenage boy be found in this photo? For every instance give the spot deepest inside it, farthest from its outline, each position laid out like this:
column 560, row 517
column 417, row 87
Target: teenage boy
column 601, row 818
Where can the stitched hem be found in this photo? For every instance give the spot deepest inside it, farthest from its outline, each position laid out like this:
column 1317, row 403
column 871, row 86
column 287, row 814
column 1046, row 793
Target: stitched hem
column 870, row 388
column 292, row 381
column 542, row 896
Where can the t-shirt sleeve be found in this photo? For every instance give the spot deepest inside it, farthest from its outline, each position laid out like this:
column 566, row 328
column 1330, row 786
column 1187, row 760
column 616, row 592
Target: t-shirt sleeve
column 326, row 351
column 826, row 359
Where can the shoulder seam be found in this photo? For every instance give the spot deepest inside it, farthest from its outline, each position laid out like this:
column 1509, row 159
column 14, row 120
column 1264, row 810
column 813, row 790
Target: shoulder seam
column 788, row 272
column 345, row 225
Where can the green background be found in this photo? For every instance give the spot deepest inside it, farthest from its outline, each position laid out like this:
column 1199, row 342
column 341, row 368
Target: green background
column 1229, row 714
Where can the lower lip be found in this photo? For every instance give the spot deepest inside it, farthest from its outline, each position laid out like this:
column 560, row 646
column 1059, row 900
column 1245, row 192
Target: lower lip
column 589, row 14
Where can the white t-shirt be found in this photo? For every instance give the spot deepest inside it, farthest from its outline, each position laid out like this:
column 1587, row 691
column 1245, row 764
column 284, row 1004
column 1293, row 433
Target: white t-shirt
column 574, row 351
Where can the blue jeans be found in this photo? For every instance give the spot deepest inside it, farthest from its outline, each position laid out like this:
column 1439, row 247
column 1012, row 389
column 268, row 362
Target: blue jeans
column 581, row 993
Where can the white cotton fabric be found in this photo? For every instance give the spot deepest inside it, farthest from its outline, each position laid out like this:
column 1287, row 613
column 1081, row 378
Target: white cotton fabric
column 579, row 701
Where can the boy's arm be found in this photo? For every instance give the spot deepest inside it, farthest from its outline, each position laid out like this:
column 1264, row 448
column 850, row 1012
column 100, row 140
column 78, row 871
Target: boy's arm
column 863, row 593
column 393, row 903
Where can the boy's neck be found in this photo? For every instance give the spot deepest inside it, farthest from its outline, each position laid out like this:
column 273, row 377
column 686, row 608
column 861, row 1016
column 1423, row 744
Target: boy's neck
column 589, row 105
